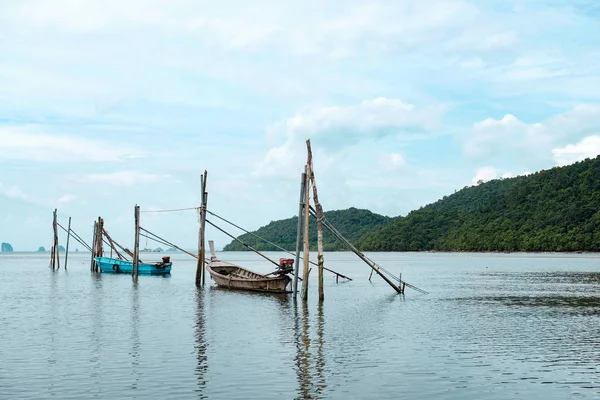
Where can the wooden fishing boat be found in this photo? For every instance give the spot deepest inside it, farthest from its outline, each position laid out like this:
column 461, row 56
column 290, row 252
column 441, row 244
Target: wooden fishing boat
column 115, row 266
column 233, row 276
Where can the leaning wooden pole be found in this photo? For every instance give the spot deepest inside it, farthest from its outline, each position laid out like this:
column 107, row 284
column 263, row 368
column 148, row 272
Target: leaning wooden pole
column 319, row 209
column 136, row 243
column 201, row 226
column 68, row 238
column 299, row 234
column 306, row 255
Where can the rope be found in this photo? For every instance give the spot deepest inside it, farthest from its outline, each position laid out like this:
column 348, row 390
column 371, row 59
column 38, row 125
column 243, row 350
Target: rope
column 234, row 238
column 274, row 244
column 375, row 267
column 75, row 236
column 172, row 210
column 165, row 242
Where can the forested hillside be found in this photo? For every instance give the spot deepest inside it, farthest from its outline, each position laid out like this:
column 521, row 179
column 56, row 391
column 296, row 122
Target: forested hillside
column 552, row 210
column 352, row 223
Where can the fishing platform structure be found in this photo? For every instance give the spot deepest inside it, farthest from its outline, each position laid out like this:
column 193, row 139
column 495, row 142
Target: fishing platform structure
column 305, row 211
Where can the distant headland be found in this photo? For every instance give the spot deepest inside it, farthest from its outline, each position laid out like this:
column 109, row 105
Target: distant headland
column 6, row 247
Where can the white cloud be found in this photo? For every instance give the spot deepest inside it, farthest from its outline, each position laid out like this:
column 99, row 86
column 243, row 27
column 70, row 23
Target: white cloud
column 121, row 178
column 485, row 174
column 28, row 144
column 67, row 198
column 13, row 192
column 509, row 135
column 588, row 147
column 391, row 161
column 333, row 128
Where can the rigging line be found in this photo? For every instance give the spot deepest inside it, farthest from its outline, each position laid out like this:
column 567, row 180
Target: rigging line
column 76, row 237
column 168, row 243
column 276, row 245
column 154, row 240
column 172, row 210
column 379, row 268
column 234, row 238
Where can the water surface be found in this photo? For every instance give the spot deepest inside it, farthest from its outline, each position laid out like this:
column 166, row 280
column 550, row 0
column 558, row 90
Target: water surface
column 493, row 327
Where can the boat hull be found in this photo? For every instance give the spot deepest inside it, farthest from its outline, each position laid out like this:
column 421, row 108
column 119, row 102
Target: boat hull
column 234, row 277
column 115, row 266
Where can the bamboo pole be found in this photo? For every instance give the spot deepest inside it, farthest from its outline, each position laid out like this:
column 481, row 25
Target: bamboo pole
column 201, row 225
column 299, row 233
column 99, row 238
column 205, row 199
column 306, row 238
column 56, row 253
column 319, row 209
column 92, row 263
column 52, row 257
column 136, row 243
column 67, row 249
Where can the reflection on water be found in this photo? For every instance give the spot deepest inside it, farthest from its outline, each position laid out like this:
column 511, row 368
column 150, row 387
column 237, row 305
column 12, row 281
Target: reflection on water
column 200, row 343
column 492, row 328
column 135, row 335
column 309, row 353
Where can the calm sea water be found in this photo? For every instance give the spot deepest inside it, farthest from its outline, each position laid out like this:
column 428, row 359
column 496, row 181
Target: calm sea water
column 493, row 327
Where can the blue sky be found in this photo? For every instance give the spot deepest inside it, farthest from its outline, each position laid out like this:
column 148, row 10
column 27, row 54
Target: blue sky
column 107, row 104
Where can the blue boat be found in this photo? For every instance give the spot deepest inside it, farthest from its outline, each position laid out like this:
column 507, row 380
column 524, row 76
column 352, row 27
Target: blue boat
column 115, row 266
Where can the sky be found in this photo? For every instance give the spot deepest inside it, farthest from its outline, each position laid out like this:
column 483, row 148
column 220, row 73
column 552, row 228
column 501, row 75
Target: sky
column 104, row 105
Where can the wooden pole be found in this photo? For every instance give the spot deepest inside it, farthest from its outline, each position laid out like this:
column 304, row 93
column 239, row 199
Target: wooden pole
column 56, row 253
column 52, row 257
column 204, row 233
column 201, row 225
column 92, row 263
column 306, row 255
column 99, row 238
column 68, row 238
column 299, row 233
column 136, row 243
column 319, row 209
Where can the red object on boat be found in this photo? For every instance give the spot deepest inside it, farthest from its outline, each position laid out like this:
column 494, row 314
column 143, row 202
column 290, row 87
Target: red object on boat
column 166, row 259
column 286, row 261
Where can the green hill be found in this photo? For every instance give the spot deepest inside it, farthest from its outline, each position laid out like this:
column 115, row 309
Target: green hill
column 352, row 223
column 552, row 210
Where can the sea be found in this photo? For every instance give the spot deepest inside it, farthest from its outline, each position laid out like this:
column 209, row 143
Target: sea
column 492, row 326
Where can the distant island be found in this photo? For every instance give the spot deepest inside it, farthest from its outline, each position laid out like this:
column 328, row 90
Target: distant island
column 6, row 247
column 41, row 249
column 554, row 210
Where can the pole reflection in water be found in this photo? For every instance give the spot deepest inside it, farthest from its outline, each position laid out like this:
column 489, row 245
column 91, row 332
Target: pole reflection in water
column 320, row 365
column 135, row 335
column 96, row 332
column 309, row 387
column 200, row 346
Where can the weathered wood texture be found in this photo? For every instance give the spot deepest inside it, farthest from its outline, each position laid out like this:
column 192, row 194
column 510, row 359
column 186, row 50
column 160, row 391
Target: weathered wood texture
column 136, row 243
column 306, row 255
column 201, row 227
column 299, row 233
column 68, row 239
column 233, row 276
column 319, row 213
